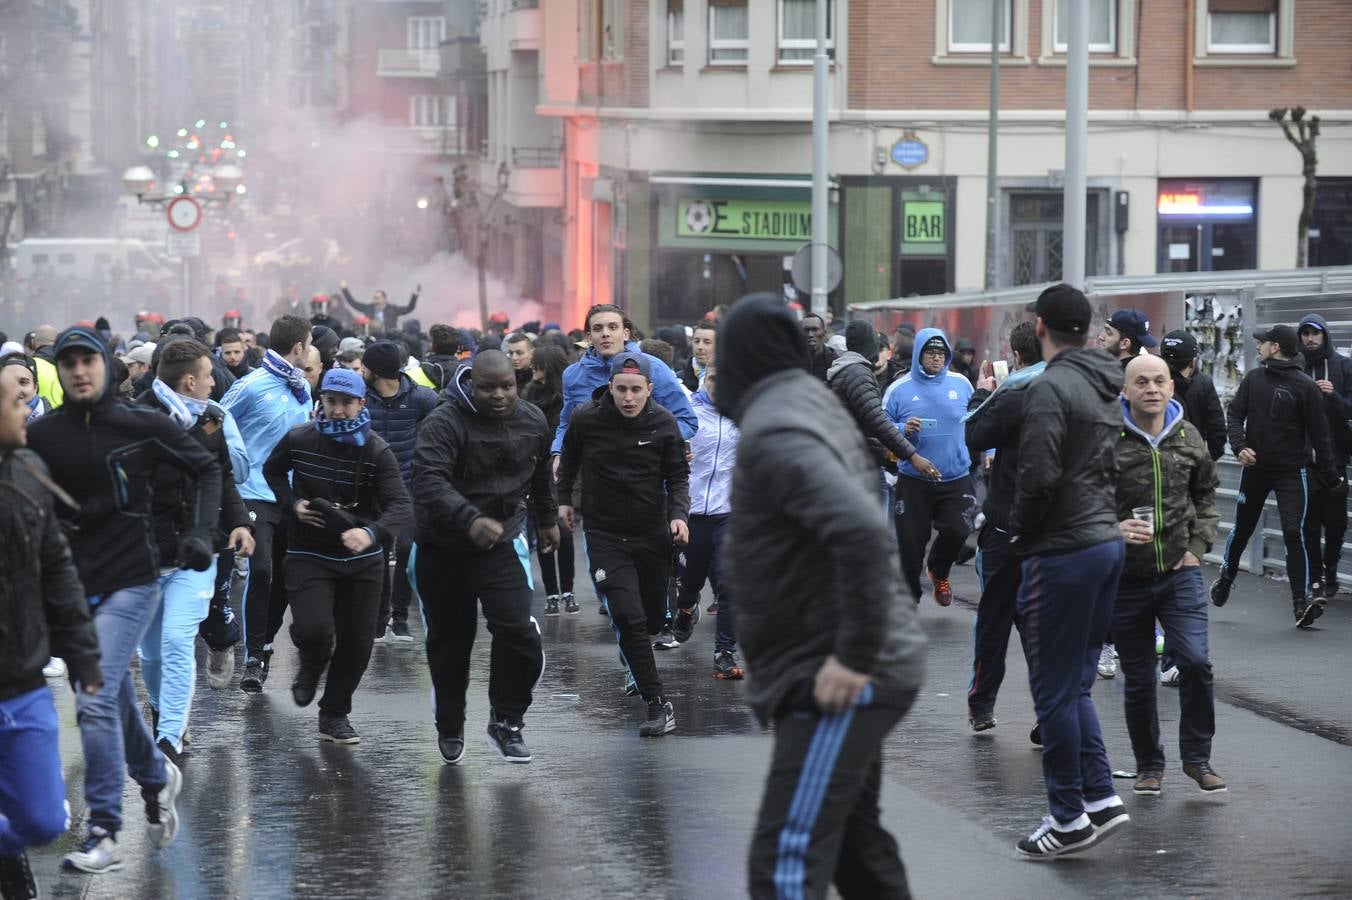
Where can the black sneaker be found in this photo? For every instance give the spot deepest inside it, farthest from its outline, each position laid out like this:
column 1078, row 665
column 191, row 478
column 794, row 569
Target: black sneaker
column 1105, row 821
column 1048, row 841
column 665, row 640
column 601, row 609
column 684, row 625
column 1331, row 585
column 452, row 746
column 16, row 878
column 1306, row 612
column 400, row 632
column 982, row 721
column 169, row 752
column 338, row 729
column 726, row 666
column 255, row 673
column 1220, row 591
column 552, row 605
column 661, row 719
column 1036, row 735
column 570, row 604
column 505, row 738
column 306, row 684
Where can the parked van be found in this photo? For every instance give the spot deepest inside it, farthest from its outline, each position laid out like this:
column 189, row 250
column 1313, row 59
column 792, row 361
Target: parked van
column 88, row 258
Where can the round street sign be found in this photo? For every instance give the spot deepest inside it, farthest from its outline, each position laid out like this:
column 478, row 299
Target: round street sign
column 802, row 269
column 184, row 213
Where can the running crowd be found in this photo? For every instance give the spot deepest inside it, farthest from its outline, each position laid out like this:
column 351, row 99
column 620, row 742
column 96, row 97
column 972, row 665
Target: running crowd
column 348, row 471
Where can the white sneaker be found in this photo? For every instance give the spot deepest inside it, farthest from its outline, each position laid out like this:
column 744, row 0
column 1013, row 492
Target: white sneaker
column 386, row 638
column 1107, row 665
column 1170, row 676
column 99, row 853
column 55, row 668
column 220, row 668
column 162, row 833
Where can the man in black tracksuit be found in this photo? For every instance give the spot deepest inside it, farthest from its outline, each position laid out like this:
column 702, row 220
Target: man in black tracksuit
column 994, row 422
column 479, row 456
column 834, row 657
column 636, row 500
column 1276, row 416
column 339, row 485
column 1332, row 374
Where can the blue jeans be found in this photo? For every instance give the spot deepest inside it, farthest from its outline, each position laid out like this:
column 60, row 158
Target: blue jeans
column 112, row 731
column 1178, row 600
column 1066, row 604
column 168, row 660
column 32, row 794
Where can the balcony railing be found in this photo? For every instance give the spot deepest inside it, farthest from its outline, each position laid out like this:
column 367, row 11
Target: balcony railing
column 408, row 63
column 524, row 4
column 535, row 157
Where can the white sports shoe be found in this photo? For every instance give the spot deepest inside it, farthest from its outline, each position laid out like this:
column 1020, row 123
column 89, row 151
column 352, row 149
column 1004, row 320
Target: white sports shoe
column 55, row 668
column 1170, row 676
column 1107, row 664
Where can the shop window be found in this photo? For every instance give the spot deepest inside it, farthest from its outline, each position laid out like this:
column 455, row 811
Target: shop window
column 1207, row 225
column 1331, row 226
column 969, row 25
column 675, row 32
column 1102, row 26
column 798, row 31
column 729, row 32
column 1241, row 26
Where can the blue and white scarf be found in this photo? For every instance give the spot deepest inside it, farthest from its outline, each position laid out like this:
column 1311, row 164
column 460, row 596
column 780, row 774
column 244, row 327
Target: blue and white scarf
column 183, row 410
column 345, row 431
column 37, row 408
column 294, row 377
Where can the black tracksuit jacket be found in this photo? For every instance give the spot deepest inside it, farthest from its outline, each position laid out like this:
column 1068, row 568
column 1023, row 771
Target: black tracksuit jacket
column 106, row 454
column 635, row 478
column 1325, row 364
column 1202, row 407
column 467, row 465
column 1278, row 412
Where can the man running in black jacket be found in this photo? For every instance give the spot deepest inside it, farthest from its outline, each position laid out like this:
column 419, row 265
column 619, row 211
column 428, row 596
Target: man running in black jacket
column 635, row 495
column 478, row 457
column 1332, row 374
column 1276, row 415
column 105, row 453
column 834, row 657
column 340, row 486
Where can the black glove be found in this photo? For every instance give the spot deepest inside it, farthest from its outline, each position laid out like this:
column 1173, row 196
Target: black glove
column 84, row 672
column 194, row 552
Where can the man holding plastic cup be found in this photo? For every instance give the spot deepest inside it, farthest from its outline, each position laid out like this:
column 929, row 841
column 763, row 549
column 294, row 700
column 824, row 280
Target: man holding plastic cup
column 1166, row 498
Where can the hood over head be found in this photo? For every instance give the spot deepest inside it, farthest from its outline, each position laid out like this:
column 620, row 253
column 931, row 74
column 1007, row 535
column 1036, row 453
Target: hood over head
column 80, row 336
column 460, row 390
column 1315, row 320
column 923, row 337
column 759, row 337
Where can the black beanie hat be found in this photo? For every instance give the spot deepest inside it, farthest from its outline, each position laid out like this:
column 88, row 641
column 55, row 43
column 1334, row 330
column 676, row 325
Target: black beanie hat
column 861, row 338
column 758, row 337
column 381, row 359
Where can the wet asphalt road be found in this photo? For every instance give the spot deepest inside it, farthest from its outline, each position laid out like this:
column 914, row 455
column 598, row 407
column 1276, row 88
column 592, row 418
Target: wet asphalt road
column 269, row 811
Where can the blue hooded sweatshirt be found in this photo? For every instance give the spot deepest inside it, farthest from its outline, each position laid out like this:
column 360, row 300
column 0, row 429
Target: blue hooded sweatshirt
column 582, row 378
column 940, row 402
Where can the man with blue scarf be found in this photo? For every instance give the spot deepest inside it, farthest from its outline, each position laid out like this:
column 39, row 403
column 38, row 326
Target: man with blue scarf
column 266, row 404
column 346, row 504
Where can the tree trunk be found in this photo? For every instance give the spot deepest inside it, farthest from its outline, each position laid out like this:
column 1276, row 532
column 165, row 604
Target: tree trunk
column 1306, row 215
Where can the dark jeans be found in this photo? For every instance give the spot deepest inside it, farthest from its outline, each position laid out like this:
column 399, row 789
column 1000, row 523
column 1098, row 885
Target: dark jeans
column 333, row 621
column 258, row 585
column 701, row 560
column 922, row 507
column 395, row 592
column 448, row 583
column 557, row 567
column 1293, row 504
column 819, row 816
column 1065, row 603
column 1330, row 524
column 631, row 575
column 1000, row 572
column 1178, row 600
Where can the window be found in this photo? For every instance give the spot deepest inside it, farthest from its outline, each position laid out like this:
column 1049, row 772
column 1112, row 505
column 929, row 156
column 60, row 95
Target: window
column 612, row 29
column 1241, row 26
column 675, row 32
column 426, row 32
column 428, row 111
column 1102, row 26
column 728, row 32
column 798, row 31
column 65, row 259
column 969, row 25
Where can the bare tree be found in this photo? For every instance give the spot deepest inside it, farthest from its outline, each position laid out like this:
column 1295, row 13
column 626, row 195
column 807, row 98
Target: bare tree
column 465, row 211
column 1302, row 133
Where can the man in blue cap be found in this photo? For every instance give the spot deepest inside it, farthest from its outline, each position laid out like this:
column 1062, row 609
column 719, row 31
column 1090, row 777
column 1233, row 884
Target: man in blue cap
column 630, row 455
column 1125, row 332
column 340, row 488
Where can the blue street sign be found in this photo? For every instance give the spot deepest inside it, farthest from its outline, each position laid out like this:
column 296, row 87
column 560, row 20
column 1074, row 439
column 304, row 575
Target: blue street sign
column 910, row 152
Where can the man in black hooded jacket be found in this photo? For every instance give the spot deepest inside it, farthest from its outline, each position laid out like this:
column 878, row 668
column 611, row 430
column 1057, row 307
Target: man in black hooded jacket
column 104, row 453
column 834, row 658
column 1194, row 389
column 479, row 456
column 1332, row 374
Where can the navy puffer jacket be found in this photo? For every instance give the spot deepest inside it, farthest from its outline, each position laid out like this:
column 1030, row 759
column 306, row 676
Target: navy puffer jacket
column 396, row 418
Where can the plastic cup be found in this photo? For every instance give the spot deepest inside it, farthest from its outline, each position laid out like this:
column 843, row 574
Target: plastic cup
column 1145, row 514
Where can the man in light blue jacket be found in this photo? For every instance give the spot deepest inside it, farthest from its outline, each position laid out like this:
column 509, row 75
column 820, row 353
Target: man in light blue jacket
column 928, row 404
column 715, row 454
column 266, row 404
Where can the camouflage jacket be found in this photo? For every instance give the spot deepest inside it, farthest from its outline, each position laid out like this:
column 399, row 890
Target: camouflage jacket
column 1175, row 475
